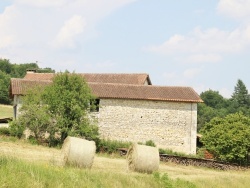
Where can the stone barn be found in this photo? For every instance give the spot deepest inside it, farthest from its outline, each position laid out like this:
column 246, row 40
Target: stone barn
column 132, row 109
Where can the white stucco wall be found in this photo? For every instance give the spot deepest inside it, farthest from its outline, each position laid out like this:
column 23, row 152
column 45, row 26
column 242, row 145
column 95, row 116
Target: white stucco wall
column 169, row 124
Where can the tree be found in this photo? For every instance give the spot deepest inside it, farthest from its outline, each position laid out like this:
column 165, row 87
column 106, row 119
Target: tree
column 68, row 99
column 228, row 138
column 8, row 70
column 35, row 116
column 19, row 70
column 213, row 99
column 5, row 66
column 240, row 95
column 4, row 88
column 61, row 108
column 214, row 106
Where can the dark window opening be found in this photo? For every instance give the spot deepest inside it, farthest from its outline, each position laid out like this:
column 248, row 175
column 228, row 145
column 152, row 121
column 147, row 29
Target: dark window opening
column 94, row 105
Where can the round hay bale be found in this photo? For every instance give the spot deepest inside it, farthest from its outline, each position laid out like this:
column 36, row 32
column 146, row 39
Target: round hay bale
column 141, row 158
column 78, row 152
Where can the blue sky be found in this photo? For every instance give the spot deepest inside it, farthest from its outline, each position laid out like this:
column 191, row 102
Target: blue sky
column 202, row 44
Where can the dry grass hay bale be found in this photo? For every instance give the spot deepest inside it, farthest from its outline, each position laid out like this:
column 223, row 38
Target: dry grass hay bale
column 78, row 152
column 143, row 158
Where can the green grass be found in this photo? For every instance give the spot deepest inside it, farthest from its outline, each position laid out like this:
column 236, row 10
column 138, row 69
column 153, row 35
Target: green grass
column 6, row 111
column 39, row 166
column 17, row 173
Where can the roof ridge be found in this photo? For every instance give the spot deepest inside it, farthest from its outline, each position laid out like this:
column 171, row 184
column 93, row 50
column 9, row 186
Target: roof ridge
column 136, row 85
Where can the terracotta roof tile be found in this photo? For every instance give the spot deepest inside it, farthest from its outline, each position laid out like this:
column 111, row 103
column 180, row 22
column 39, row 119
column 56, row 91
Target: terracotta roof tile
column 121, row 91
column 161, row 93
column 136, row 79
column 20, row 86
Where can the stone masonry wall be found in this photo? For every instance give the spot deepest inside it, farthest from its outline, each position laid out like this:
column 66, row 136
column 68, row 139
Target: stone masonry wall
column 169, row 124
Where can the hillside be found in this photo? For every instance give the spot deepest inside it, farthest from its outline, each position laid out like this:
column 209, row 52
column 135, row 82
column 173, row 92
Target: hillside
column 116, row 167
column 6, row 111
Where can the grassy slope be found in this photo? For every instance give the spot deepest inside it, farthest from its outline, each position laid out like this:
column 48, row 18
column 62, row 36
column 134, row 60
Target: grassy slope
column 43, row 169
column 6, row 111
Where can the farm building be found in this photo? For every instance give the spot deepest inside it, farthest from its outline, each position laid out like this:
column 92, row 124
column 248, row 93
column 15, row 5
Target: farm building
column 132, row 109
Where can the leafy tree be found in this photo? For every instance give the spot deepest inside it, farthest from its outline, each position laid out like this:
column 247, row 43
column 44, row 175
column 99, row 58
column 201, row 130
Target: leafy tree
column 8, row 70
column 68, row 100
column 214, row 106
column 35, row 116
column 4, row 88
column 61, row 108
column 228, row 138
column 5, row 66
column 213, row 99
column 19, row 70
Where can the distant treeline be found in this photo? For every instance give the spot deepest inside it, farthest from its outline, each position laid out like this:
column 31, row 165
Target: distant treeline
column 9, row 70
column 215, row 105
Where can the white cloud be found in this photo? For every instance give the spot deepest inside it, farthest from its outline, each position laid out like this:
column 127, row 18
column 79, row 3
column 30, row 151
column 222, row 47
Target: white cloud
column 42, row 3
column 69, row 32
column 198, row 58
column 8, row 36
column 39, row 29
column 170, row 75
column 204, row 45
column 191, row 72
column 239, row 9
column 212, row 40
column 211, row 44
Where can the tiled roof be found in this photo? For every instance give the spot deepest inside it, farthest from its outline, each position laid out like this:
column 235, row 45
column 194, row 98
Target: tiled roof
column 136, row 79
column 121, row 91
column 158, row 93
column 20, row 86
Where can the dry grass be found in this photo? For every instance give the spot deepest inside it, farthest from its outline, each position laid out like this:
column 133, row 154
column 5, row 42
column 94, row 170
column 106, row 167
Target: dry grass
column 201, row 177
column 6, row 111
column 204, row 178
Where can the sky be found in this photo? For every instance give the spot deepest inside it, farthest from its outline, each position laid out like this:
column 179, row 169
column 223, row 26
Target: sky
column 202, row 44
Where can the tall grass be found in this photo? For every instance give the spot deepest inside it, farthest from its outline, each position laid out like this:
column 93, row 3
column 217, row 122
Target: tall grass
column 17, row 173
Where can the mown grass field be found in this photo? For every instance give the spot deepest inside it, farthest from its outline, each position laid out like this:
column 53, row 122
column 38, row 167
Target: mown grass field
column 6, row 111
column 26, row 165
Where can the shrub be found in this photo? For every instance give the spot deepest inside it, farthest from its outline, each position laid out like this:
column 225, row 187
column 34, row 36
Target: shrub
column 4, row 131
column 171, row 152
column 150, row 143
column 228, row 139
column 111, row 146
column 16, row 129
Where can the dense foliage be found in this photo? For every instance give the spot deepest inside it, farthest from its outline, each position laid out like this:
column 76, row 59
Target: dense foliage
column 228, row 139
column 215, row 105
column 61, row 109
column 8, row 70
column 4, row 88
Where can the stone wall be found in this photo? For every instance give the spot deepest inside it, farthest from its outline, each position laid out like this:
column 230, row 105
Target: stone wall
column 169, row 124
column 17, row 103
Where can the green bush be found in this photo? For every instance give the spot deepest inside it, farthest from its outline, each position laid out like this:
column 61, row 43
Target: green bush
column 5, row 131
column 111, row 146
column 16, row 129
column 228, row 139
column 150, row 143
column 171, row 152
